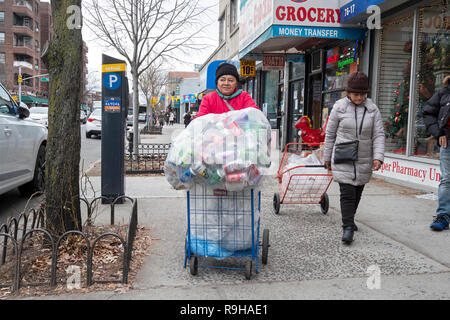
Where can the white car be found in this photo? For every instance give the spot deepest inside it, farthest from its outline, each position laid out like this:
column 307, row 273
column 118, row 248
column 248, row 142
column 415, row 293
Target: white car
column 40, row 115
column 94, row 123
column 142, row 117
column 22, row 148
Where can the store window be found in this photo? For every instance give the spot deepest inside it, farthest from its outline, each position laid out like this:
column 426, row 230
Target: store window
column 270, row 100
column 297, row 70
column 234, row 15
column 433, row 66
column 394, row 77
column 340, row 62
column 251, row 87
column 222, row 29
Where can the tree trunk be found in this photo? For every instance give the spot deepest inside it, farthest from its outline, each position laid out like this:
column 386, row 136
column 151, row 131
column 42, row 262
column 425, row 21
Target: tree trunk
column 135, row 111
column 64, row 141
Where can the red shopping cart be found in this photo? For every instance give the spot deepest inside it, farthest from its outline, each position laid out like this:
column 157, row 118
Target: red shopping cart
column 303, row 183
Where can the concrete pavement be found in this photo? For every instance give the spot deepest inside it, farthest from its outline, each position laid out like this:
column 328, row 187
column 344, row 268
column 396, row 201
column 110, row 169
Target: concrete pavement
column 306, row 259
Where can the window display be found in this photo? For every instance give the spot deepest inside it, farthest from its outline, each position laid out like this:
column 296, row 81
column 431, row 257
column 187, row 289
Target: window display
column 433, row 67
column 340, row 63
column 394, row 80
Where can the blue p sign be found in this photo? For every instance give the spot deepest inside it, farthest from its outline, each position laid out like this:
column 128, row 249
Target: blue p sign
column 112, row 81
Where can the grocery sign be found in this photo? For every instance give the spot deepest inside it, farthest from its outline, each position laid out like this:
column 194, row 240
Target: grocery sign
column 262, row 20
column 323, row 13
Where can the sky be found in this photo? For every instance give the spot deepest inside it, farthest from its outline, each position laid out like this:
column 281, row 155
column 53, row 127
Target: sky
column 95, row 50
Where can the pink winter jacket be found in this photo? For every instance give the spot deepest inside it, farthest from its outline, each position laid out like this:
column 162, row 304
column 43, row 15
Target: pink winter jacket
column 213, row 103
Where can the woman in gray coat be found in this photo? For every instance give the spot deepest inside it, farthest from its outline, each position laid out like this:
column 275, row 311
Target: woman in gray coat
column 354, row 118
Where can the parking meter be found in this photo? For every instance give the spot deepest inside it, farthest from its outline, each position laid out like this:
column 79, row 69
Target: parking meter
column 114, row 113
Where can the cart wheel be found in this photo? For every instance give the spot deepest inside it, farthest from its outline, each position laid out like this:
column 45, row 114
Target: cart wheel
column 276, row 203
column 325, row 204
column 265, row 246
column 248, row 270
column 193, row 265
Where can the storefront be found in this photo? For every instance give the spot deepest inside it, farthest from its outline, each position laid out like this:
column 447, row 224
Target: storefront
column 411, row 57
column 319, row 52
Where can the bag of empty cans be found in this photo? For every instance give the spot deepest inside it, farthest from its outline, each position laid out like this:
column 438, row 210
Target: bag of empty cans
column 229, row 150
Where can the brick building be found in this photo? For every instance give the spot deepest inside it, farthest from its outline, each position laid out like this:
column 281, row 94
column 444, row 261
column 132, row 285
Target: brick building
column 183, row 86
column 24, row 25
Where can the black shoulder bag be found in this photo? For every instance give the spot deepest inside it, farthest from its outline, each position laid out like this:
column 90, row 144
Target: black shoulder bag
column 348, row 151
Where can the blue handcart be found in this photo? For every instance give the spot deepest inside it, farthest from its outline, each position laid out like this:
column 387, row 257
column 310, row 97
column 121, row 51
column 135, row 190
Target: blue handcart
column 223, row 224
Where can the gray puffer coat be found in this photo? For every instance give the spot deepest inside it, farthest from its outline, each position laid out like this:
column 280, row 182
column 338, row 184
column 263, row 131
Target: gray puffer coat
column 342, row 128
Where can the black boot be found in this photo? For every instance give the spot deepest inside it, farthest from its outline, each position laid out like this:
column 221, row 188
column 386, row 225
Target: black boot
column 347, row 237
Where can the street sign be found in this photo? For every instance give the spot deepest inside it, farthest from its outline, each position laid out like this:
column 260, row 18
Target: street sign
column 45, row 79
column 248, row 68
column 114, row 113
column 273, row 62
column 112, row 81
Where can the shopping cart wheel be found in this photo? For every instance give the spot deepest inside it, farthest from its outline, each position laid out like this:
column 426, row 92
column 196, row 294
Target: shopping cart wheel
column 193, row 265
column 276, row 203
column 265, row 246
column 248, row 270
column 325, row 204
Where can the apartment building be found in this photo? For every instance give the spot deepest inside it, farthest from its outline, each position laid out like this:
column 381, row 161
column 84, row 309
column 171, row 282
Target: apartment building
column 20, row 44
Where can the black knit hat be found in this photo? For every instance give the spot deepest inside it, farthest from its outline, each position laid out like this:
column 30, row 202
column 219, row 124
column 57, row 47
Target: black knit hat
column 358, row 82
column 226, row 69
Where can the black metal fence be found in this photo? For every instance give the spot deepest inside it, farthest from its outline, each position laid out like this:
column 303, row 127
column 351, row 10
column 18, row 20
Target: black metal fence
column 150, row 158
column 9, row 232
column 151, row 129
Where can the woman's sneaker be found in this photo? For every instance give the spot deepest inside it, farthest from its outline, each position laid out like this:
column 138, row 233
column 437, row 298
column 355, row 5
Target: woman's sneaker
column 440, row 222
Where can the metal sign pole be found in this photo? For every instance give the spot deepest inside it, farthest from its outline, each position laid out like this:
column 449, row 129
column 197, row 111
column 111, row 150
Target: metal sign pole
column 19, row 80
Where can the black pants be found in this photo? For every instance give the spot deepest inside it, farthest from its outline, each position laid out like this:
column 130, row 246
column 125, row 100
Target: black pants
column 350, row 197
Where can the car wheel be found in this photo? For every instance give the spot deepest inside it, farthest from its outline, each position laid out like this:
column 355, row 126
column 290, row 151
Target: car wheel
column 88, row 135
column 38, row 182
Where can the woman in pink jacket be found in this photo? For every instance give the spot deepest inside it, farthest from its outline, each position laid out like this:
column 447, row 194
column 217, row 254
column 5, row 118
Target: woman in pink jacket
column 227, row 96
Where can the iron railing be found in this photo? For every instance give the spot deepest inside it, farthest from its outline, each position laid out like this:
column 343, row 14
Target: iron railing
column 9, row 232
column 150, row 158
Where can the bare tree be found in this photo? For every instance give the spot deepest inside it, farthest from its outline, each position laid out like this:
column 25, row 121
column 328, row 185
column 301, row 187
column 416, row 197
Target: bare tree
column 151, row 83
column 92, row 85
column 145, row 32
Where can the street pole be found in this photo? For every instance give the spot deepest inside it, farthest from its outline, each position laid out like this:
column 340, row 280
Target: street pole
column 20, row 84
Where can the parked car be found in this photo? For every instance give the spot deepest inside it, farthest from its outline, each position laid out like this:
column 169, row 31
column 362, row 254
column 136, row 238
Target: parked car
column 83, row 117
column 142, row 117
column 40, row 115
column 22, row 148
column 94, row 123
column 130, row 117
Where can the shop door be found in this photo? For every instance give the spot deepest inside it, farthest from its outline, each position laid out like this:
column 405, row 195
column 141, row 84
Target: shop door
column 315, row 95
column 280, row 114
column 296, row 108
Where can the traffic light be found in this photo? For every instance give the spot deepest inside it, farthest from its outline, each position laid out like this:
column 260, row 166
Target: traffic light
column 19, row 79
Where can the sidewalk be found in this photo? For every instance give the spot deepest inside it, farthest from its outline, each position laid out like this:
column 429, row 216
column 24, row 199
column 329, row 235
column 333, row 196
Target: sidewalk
column 306, row 259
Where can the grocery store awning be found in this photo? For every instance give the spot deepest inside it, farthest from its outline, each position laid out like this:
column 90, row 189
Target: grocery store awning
column 284, row 25
column 35, row 100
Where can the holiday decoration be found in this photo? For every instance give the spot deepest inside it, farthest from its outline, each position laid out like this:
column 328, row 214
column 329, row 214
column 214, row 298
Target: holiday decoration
column 308, row 134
